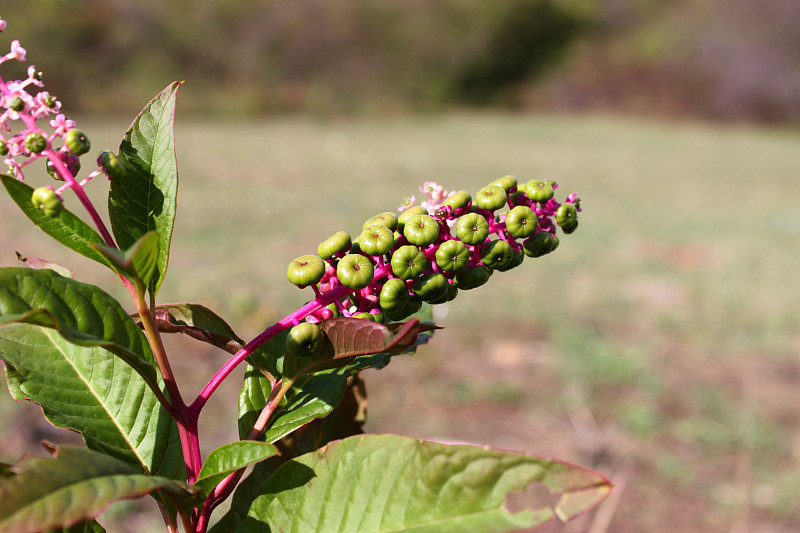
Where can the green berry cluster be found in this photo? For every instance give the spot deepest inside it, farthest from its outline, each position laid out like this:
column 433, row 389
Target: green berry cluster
column 398, row 262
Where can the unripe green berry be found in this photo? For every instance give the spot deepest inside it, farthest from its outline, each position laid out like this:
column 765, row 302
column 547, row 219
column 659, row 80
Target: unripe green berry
column 452, row 292
column 3, row 148
column 47, row 200
column 491, row 198
column 410, row 212
column 384, row 219
column 305, row 270
column 521, row 221
column 304, row 340
column 413, row 305
column 336, row 243
column 539, row 191
column 539, row 244
column 421, row 230
column 459, row 200
column 355, row 271
column 516, row 260
column 111, row 164
column 452, row 255
column 506, row 182
column 362, row 316
column 376, row 240
column 567, row 217
column 472, row 229
column 77, row 142
column 496, row 254
column 394, row 295
column 472, row 277
column 431, row 286
column 408, row 262
column 35, row 142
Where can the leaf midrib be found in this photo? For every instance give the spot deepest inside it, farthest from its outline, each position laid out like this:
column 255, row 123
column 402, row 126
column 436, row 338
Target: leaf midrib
column 50, row 335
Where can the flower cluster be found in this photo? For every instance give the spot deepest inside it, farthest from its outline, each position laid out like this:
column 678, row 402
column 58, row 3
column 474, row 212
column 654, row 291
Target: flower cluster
column 25, row 107
column 428, row 253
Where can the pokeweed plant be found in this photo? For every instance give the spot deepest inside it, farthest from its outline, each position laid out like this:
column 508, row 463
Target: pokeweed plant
column 100, row 371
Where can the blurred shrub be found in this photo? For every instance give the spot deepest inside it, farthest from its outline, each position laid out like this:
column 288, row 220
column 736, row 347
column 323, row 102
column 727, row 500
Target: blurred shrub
column 261, row 55
column 716, row 58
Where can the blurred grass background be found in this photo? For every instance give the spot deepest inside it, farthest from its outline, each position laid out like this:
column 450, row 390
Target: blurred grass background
column 659, row 344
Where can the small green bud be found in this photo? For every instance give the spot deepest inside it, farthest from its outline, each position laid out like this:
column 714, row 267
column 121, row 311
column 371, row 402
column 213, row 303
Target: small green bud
column 35, row 142
column 16, row 104
column 111, row 164
column 3, row 148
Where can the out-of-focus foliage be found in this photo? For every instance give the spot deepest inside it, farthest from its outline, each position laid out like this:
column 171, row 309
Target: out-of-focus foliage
column 715, row 58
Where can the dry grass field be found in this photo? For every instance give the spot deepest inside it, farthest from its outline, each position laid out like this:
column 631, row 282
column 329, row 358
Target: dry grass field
column 660, row 344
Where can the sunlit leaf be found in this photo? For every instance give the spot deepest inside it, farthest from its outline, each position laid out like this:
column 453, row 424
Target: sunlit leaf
column 73, row 487
column 145, row 199
column 386, row 483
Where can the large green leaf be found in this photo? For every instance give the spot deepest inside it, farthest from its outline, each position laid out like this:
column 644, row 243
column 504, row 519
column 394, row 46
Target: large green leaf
column 65, row 227
column 82, row 313
column 229, row 458
column 74, row 486
column 386, row 483
column 145, row 199
column 92, row 391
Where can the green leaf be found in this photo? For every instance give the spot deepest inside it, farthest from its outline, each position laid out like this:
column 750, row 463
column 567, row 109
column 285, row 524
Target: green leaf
column 246, row 491
column 74, row 486
column 146, row 198
column 65, row 227
column 140, row 261
column 311, row 397
column 352, row 345
column 229, row 458
column 198, row 322
column 90, row 390
column 386, row 483
column 82, row 313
